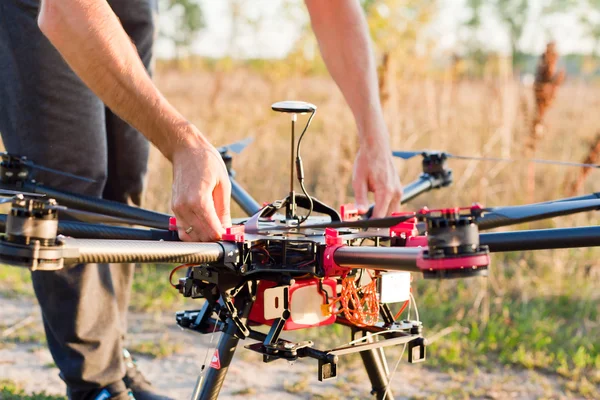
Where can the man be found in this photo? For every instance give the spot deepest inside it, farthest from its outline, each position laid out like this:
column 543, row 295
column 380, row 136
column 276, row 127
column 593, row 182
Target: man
column 48, row 111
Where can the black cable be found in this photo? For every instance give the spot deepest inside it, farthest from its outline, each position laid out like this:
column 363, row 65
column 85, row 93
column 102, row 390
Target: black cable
column 304, row 131
column 309, row 199
column 300, row 170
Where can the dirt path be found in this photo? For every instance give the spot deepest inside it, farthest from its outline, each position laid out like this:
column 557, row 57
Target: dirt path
column 30, row 365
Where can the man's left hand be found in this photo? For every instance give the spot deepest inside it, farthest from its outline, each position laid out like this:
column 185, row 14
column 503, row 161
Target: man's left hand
column 374, row 171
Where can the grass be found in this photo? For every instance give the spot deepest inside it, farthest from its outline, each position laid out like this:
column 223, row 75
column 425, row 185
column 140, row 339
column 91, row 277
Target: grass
column 302, row 385
column 249, row 391
column 554, row 332
column 10, row 390
column 29, row 333
column 537, row 310
column 151, row 289
column 162, row 348
column 15, row 282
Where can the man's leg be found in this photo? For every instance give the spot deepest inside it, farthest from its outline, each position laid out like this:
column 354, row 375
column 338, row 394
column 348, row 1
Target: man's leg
column 127, row 148
column 127, row 165
column 47, row 114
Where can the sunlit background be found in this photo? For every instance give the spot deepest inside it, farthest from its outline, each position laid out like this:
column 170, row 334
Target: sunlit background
column 454, row 75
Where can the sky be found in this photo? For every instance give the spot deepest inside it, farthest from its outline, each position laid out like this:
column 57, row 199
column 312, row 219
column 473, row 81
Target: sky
column 279, row 28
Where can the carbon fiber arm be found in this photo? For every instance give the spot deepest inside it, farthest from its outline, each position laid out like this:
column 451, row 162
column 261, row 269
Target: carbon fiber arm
column 77, row 251
column 100, row 206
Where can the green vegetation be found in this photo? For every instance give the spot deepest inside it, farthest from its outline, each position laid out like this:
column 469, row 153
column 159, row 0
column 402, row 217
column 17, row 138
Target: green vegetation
column 164, row 348
column 15, row 282
column 10, row 390
column 524, row 315
column 301, row 385
column 151, row 289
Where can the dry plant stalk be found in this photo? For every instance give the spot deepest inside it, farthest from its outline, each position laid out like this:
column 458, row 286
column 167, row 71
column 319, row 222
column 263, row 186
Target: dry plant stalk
column 383, row 71
column 592, row 158
column 388, row 96
column 547, row 81
column 216, row 90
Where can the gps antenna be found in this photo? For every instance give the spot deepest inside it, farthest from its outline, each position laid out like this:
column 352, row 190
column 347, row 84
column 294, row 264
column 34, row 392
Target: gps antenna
column 295, row 108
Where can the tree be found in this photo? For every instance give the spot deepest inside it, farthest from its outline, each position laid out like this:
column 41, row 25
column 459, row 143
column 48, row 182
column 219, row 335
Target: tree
column 590, row 18
column 188, row 20
column 474, row 46
column 588, row 12
column 514, row 15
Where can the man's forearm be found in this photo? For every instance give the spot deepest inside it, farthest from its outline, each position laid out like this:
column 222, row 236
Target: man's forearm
column 343, row 37
column 92, row 41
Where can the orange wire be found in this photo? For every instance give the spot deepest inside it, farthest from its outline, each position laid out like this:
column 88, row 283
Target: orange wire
column 360, row 306
column 401, row 309
column 175, row 270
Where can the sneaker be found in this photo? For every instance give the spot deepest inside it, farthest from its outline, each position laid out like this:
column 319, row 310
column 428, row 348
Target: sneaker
column 116, row 391
column 105, row 394
column 139, row 385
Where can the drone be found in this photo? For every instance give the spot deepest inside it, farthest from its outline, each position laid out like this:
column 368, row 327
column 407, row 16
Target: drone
column 292, row 264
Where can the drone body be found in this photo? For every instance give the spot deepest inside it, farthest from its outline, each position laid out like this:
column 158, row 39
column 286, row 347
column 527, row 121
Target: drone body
column 288, row 271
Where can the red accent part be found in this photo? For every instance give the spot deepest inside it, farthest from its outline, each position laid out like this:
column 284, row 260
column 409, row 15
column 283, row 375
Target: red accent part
column 332, row 237
column 329, row 265
column 403, row 213
column 215, row 362
column 404, row 229
column 172, row 223
column 442, row 264
column 234, row 234
column 476, row 207
column 423, row 211
column 257, row 313
column 416, row 241
column 452, row 212
column 333, row 242
column 349, row 212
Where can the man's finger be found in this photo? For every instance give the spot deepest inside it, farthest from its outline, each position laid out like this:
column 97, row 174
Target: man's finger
column 394, row 204
column 182, row 228
column 184, row 221
column 207, row 226
column 360, row 194
column 222, row 201
column 382, row 203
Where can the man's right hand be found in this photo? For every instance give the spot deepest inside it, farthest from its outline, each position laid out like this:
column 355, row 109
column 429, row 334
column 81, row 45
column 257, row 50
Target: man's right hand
column 201, row 192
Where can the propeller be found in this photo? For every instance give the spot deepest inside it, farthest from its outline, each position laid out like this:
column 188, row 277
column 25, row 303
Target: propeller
column 504, row 216
column 236, row 147
column 57, row 172
column 407, row 155
column 95, row 218
column 80, row 215
column 9, row 158
column 491, row 217
column 363, row 224
column 12, row 193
